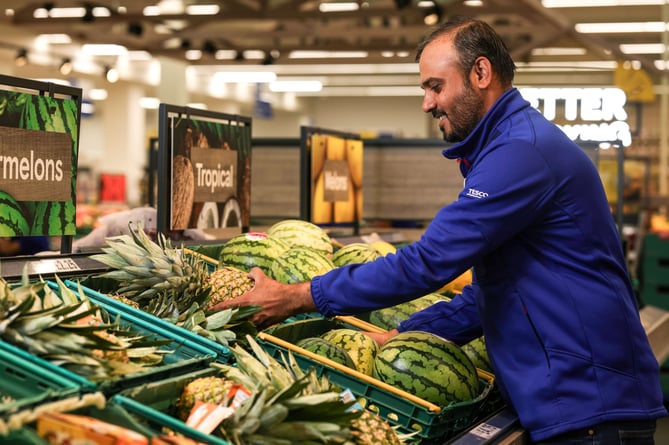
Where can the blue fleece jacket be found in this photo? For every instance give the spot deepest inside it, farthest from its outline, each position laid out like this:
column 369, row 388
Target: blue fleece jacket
column 551, row 292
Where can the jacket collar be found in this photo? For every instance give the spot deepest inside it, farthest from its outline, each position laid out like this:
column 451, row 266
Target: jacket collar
column 468, row 150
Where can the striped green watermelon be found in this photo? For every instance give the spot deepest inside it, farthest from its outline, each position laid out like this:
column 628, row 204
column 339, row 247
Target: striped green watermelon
column 390, row 317
column 355, row 253
column 299, row 233
column 251, row 249
column 478, row 354
column 54, row 218
column 427, row 366
column 299, row 264
column 12, row 220
column 328, row 350
column 360, row 347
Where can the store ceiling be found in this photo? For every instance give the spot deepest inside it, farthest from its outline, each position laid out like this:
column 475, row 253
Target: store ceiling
column 388, row 30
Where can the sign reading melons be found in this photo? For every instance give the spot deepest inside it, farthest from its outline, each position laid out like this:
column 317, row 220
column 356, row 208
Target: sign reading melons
column 38, row 163
column 332, row 176
column 584, row 114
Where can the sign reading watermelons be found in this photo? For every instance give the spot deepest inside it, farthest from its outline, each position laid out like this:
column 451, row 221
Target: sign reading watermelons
column 332, row 168
column 209, row 171
column 38, row 164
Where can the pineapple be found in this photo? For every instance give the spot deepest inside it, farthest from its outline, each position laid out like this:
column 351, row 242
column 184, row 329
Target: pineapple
column 209, row 389
column 286, row 405
column 176, row 286
column 161, row 279
column 370, row 429
column 70, row 331
column 226, row 283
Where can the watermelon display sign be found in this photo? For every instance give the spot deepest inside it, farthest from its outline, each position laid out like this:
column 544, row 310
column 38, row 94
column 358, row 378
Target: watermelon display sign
column 204, row 176
column 38, row 158
column 331, row 167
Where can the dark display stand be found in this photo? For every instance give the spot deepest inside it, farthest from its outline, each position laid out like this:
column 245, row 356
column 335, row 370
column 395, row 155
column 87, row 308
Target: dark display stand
column 172, row 113
column 57, row 91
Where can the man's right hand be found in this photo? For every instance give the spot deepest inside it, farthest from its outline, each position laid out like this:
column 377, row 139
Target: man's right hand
column 278, row 301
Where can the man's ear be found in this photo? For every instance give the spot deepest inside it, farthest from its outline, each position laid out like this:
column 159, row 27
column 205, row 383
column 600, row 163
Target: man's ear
column 481, row 73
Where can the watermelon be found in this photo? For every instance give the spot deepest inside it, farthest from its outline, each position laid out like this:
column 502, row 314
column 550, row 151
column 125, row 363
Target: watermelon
column 328, row 350
column 360, row 347
column 427, row 366
column 299, row 233
column 299, row 264
column 390, row 317
column 54, row 218
column 12, row 220
column 355, row 253
column 251, row 249
column 478, row 354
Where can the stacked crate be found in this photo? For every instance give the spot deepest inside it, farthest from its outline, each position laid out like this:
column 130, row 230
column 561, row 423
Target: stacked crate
column 654, row 271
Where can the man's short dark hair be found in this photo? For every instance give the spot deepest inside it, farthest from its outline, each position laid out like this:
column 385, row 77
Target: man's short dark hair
column 474, row 38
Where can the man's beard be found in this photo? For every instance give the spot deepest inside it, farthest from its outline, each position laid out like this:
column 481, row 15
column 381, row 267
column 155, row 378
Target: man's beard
column 465, row 115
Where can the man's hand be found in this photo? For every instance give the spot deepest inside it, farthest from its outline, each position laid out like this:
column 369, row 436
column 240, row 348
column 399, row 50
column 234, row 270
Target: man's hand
column 382, row 337
column 277, row 300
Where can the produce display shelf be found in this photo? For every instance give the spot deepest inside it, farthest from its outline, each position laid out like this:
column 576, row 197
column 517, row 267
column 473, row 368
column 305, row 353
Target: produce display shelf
column 428, row 422
column 23, row 386
column 118, row 410
column 223, row 354
column 183, row 355
column 155, row 402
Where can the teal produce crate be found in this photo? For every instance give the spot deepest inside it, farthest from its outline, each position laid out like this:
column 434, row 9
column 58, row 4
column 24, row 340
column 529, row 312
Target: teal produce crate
column 24, row 386
column 119, row 411
column 654, row 271
column 155, row 403
column 185, row 355
column 428, row 422
column 223, row 354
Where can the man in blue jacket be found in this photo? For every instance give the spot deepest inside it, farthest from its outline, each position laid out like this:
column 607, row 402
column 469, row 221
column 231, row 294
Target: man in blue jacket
column 551, row 292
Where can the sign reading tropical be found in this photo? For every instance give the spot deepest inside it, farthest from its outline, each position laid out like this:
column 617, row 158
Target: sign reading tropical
column 210, row 174
column 38, row 164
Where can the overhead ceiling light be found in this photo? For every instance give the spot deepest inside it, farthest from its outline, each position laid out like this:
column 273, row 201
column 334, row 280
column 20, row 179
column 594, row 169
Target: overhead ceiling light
column 111, row 74
column 309, row 54
column 432, row 15
column 620, row 27
column 254, row 54
column 338, row 6
column 596, row 3
column 642, row 48
column 97, row 94
column 65, row 67
column 558, row 51
column 54, row 39
column 245, row 76
column 210, row 9
column 473, row 3
column 295, row 86
column 103, row 49
column 21, row 58
column 225, row 54
column 149, row 103
column 193, row 54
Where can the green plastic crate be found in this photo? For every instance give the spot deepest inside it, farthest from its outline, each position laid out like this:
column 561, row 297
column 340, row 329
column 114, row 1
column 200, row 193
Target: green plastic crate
column 186, row 356
column 25, row 386
column 156, row 402
column 118, row 411
column 429, row 423
column 223, row 354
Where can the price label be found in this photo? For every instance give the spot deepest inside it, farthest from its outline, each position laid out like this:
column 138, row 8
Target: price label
column 484, row 430
column 54, row 266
